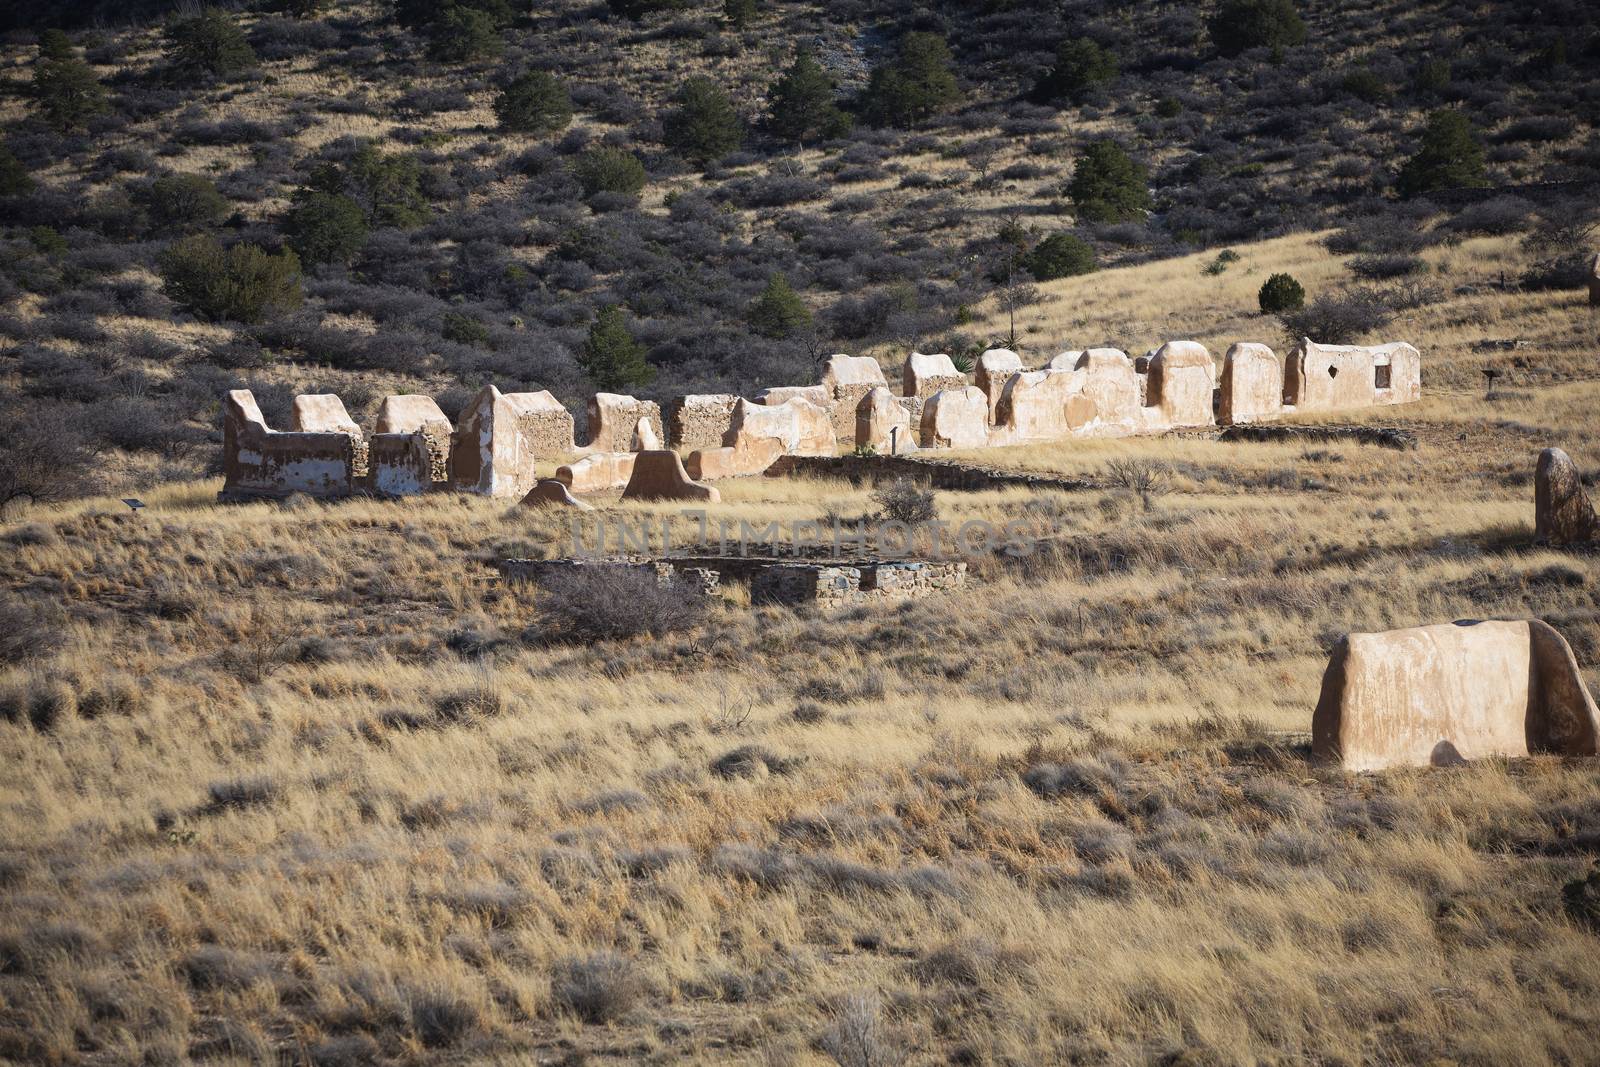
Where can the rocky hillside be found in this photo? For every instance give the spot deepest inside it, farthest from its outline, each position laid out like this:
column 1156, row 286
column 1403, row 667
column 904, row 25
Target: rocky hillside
column 464, row 187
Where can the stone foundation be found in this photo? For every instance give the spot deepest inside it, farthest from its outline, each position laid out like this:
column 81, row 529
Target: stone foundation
column 772, row 581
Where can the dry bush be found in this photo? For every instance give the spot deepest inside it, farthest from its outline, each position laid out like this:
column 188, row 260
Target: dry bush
column 902, row 500
column 603, row 603
column 599, row 988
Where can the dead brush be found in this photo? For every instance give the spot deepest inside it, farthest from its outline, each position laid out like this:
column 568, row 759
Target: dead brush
column 1142, row 478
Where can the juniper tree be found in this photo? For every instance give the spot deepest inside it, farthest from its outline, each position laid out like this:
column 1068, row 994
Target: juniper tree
column 800, row 104
column 611, row 356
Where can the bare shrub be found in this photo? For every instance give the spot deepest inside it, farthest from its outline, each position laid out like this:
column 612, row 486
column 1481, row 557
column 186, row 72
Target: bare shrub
column 442, row 1018
column 1140, row 477
column 463, row 707
column 1337, row 318
column 251, row 792
column 27, row 631
column 857, row 1038
column 1387, row 265
column 904, row 501
column 753, row 761
column 612, row 603
column 597, row 988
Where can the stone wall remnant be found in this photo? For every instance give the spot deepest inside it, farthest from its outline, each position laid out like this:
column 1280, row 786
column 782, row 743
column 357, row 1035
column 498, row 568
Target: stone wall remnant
column 410, row 412
column 847, row 379
column 883, row 424
column 406, row 464
column 597, row 472
column 1438, row 695
column 1561, row 509
column 325, row 413
column 259, row 463
column 1178, row 393
column 548, row 492
column 659, row 475
column 1340, row 377
column 614, row 423
column 502, row 436
column 925, row 373
column 993, row 369
column 956, row 418
column 1252, row 384
column 1112, row 385
column 700, row 420
column 410, row 451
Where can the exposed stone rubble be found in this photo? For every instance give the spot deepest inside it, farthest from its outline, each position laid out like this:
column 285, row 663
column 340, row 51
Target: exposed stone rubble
column 771, row 581
column 1438, row 695
column 1561, row 508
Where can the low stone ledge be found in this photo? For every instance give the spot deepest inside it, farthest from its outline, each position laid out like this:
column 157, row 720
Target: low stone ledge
column 1382, row 436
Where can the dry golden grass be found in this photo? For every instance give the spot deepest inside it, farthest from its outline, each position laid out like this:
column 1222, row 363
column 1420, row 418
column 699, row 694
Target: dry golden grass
column 305, row 782
column 1138, row 308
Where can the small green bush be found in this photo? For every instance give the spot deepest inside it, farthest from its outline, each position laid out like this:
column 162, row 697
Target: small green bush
column 14, row 177
column 47, row 241
column 1240, row 25
column 638, row 9
column 326, row 227
column 917, row 83
column 463, row 329
column 702, row 125
column 610, row 356
column 779, row 312
column 739, row 13
column 64, row 87
column 1108, row 186
column 608, row 170
column 209, row 43
column 800, row 104
column 1081, row 64
column 1448, row 158
column 244, row 283
column 464, row 35
column 185, row 201
column 388, row 187
column 536, row 103
column 1060, row 255
column 1281, row 293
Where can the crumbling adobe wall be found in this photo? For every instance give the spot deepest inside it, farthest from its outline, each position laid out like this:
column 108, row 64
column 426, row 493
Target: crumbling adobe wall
column 406, row 464
column 614, row 419
column 926, row 373
column 259, row 463
column 1437, row 695
column 700, row 420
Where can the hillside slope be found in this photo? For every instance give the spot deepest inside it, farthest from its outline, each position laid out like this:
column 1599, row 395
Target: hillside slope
column 890, row 235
